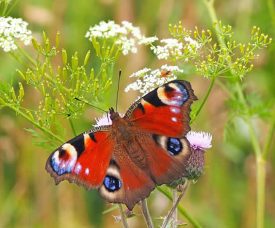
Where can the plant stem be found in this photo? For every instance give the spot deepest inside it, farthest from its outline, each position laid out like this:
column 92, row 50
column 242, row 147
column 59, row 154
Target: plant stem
column 123, row 217
column 176, row 201
column 48, row 132
column 261, row 175
column 146, row 214
column 270, row 135
column 72, row 127
column 181, row 209
column 204, row 99
column 260, row 161
column 271, row 9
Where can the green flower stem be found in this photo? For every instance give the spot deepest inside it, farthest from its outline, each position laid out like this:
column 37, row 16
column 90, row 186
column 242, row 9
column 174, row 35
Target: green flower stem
column 17, row 111
column 253, row 136
column 5, row 7
column 260, row 165
column 146, row 214
column 72, row 127
column 123, row 217
column 260, row 162
column 270, row 135
column 181, row 209
column 13, row 4
column 204, row 99
column 271, row 8
column 24, row 53
column 261, row 176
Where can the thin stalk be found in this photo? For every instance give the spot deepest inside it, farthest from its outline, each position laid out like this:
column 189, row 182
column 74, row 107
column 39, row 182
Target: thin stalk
column 204, row 99
column 123, row 217
column 174, row 208
column 253, row 136
column 260, row 163
column 14, row 3
column 175, row 203
column 271, row 9
column 24, row 53
column 181, row 209
column 269, row 137
column 146, row 214
column 72, row 126
column 48, row 132
column 261, row 176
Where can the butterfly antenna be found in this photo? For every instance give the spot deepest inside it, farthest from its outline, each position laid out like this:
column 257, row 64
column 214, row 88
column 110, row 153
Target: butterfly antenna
column 88, row 103
column 119, row 76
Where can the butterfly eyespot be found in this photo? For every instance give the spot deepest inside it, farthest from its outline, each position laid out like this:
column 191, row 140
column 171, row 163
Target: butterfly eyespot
column 112, row 183
column 174, row 146
column 173, row 94
column 64, row 159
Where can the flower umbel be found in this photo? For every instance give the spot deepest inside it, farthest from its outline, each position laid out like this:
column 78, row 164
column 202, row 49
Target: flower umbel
column 176, row 49
column 12, row 29
column 171, row 47
column 148, row 79
column 125, row 35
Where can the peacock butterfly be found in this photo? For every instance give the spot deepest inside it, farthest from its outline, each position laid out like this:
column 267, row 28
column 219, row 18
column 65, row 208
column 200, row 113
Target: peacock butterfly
column 127, row 159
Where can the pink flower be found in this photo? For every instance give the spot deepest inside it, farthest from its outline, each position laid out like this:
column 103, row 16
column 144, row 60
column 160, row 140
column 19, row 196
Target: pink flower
column 199, row 140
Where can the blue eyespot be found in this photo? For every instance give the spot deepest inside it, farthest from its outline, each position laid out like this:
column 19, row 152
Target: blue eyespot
column 174, row 146
column 112, row 183
column 184, row 95
column 176, row 93
column 59, row 168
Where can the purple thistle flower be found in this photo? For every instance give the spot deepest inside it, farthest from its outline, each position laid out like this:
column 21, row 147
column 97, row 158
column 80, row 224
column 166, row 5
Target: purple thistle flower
column 199, row 142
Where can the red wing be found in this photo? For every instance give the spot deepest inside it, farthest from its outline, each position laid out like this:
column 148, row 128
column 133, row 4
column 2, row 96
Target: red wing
column 82, row 160
column 137, row 167
column 165, row 110
column 133, row 183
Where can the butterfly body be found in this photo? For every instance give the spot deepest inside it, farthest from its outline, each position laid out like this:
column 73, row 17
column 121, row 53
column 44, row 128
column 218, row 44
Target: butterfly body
column 126, row 159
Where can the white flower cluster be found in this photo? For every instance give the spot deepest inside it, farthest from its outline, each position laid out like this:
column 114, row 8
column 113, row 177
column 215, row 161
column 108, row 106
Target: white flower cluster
column 12, row 29
column 126, row 35
column 172, row 48
column 149, row 79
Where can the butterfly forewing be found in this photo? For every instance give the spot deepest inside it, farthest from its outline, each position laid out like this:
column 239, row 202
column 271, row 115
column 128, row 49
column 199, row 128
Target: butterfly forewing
column 165, row 110
column 83, row 159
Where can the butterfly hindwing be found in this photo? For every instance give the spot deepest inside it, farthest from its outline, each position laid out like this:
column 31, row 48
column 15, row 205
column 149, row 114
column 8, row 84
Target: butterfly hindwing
column 138, row 166
column 82, row 160
column 165, row 110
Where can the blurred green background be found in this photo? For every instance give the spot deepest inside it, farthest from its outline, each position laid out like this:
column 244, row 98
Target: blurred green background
column 223, row 197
